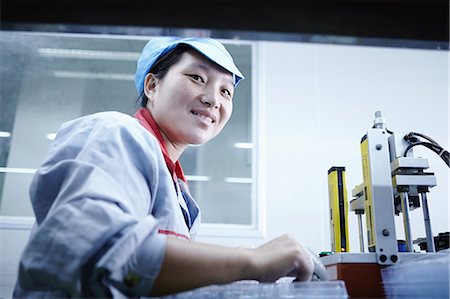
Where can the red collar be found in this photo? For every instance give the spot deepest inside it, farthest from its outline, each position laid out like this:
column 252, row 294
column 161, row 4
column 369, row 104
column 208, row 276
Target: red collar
column 146, row 119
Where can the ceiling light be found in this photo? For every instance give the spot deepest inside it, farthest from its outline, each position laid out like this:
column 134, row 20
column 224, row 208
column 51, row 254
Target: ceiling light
column 5, row 134
column 245, row 145
column 51, row 136
column 239, row 180
column 89, row 54
column 95, row 76
column 17, row 170
column 197, row 178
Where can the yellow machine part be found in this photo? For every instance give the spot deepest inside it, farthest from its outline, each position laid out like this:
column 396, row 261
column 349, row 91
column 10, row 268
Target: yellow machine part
column 368, row 203
column 337, row 192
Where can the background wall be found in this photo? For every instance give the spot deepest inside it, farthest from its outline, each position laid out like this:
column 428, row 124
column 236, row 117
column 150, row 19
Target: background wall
column 318, row 100
column 321, row 102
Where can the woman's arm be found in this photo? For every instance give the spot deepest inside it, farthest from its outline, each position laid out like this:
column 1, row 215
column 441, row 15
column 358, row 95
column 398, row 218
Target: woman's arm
column 189, row 265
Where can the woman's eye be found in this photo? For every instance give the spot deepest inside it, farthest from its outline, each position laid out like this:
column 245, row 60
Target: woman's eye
column 197, row 78
column 227, row 92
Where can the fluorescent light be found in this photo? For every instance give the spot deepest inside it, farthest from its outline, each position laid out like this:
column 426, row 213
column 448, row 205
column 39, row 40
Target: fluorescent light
column 89, row 54
column 96, row 76
column 198, row 178
column 239, row 180
column 5, row 134
column 245, row 145
column 17, row 170
column 51, row 136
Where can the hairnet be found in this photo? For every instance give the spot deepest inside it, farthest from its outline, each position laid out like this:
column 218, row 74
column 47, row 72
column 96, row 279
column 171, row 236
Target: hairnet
column 159, row 46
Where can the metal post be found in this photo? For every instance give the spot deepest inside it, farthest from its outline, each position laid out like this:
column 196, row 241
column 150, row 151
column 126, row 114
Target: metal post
column 379, row 197
column 405, row 211
column 426, row 218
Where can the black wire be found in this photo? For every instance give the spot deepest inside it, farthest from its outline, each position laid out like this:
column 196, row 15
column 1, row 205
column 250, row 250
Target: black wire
column 423, row 136
column 413, row 139
column 445, row 155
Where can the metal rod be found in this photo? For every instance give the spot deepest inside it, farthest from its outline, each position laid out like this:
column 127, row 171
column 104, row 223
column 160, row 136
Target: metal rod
column 426, row 218
column 405, row 212
column 361, row 233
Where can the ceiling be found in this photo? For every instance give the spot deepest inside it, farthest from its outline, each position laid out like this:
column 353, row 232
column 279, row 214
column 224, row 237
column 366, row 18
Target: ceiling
column 426, row 20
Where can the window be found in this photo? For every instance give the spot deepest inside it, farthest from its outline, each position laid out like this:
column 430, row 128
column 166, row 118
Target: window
column 47, row 79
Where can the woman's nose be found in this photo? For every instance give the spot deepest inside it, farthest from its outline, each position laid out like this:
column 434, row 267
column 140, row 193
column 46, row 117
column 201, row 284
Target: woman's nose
column 211, row 98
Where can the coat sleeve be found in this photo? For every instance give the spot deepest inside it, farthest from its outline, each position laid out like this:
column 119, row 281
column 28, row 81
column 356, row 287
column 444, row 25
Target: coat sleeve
column 92, row 198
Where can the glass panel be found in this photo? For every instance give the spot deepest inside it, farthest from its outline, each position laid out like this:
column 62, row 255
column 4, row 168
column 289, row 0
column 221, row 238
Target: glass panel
column 49, row 79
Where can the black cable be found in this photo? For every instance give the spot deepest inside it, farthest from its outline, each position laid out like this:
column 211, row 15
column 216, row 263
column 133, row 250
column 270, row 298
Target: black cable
column 411, row 134
column 412, row 137
column 441, row 152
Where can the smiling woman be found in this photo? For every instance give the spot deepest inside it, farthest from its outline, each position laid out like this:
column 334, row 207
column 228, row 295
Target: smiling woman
column 115, row 184
column 98, row 71
column 38, row 71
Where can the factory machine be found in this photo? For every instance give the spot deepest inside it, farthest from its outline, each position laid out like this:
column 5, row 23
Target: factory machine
column 395, row 182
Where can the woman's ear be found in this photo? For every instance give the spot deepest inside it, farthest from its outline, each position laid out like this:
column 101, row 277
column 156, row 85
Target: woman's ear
column 150, row 84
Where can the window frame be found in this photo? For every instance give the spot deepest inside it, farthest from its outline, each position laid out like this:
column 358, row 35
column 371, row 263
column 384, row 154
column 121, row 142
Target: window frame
column 257, row 228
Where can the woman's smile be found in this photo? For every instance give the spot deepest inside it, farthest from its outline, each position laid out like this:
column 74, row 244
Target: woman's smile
column 204, row 115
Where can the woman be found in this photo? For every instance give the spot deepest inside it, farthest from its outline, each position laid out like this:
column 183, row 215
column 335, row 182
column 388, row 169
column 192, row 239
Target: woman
column 114, row 216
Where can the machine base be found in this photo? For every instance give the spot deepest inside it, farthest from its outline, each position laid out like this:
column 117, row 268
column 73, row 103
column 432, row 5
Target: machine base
column 361, row 272
column 361, row 280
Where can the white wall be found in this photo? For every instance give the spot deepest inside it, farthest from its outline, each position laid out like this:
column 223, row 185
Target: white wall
column 319, row 100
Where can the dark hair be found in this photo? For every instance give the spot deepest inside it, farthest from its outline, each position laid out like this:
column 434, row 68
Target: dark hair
column 162, row 66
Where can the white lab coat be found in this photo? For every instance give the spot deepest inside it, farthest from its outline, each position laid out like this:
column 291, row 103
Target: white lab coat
column 103, row 199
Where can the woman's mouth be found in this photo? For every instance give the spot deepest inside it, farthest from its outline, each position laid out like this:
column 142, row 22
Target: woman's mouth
column 204, row 116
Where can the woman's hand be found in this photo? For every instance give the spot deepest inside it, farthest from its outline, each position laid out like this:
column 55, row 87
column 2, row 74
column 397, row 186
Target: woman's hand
column 280, row 257
column 189, row 265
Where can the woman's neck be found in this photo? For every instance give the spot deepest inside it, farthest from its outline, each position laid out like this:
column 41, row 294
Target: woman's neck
column 173, row 150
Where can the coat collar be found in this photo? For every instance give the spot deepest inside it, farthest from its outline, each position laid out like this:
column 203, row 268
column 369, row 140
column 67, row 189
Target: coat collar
column 146, row 120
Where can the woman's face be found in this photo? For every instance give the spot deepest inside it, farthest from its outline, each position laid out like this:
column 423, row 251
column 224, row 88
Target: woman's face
column 192, row 103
